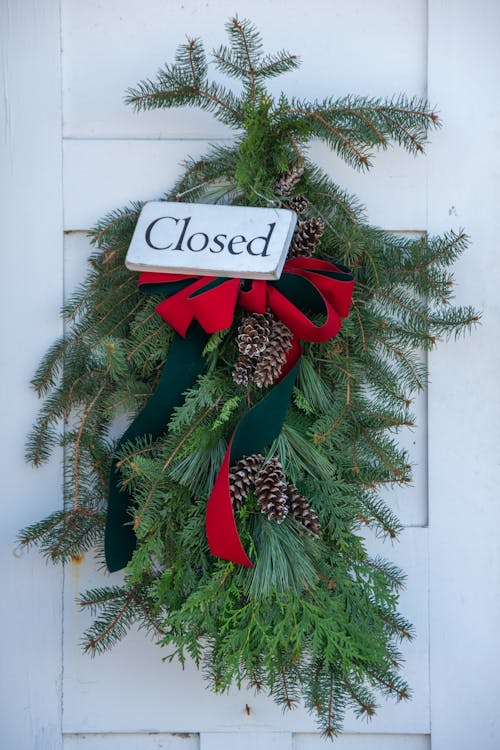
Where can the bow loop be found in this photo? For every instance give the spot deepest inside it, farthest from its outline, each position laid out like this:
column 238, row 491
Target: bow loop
column 308, row 286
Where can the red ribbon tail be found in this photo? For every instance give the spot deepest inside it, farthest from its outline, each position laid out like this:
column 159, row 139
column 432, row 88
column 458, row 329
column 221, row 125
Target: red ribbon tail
column 222, row 534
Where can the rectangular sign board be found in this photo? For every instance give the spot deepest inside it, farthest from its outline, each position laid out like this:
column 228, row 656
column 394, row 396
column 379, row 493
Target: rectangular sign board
column 211, row 240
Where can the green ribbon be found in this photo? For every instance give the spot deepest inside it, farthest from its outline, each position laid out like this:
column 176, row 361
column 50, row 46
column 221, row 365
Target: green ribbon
column 184, row 363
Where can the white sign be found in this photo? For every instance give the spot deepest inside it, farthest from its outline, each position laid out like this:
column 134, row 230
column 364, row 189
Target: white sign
column 209, row 240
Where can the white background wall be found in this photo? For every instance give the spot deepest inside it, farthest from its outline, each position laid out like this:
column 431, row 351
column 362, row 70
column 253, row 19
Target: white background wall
column 71, row 151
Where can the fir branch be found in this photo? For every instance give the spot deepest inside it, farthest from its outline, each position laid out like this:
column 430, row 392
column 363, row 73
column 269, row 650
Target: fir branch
column 397, row 624
column 248, row 38
column 377, row 512
column 44, row 438
column 113, row 623
column 111, row 226
column 348, row 148
column 391, row 684
column 48, row 372
column 288, row 700
column 168, row 461
column 64, row 534
column 76, row 454
column 363, row 700
column 320, row 437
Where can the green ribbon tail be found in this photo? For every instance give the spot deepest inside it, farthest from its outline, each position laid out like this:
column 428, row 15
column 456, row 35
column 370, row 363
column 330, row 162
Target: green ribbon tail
column 184, row 363
column 263, row 423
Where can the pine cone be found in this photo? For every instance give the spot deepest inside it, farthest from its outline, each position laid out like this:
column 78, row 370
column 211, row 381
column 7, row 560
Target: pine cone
column 270, row 489
column 301, row 510
column 298, row 203
column 242, row 477
column 281, row 337
column 243, row 369
column 267, row 370
column 306, row 237
column 263, row 342
column 287, row 182
column 253, row 333
column 270, row 363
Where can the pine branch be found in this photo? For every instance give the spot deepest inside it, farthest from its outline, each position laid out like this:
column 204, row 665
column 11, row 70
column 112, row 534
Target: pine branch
column 362, row 699
column 116, row 618
column 76, row 454
column 117, row 609
column 246, row 43
column 185, row 84
column 391, row 684
column 64, row 534
column 112, row 226
column 154, row 487
column 376, row 512
column 350, row 148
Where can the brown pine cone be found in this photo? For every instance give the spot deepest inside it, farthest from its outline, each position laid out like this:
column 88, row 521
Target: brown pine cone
column 287, row 181
column 280, row 338
column 301, row 510
column 253, row 333
column 263, row 341
column 298, row 203
column 306, row 237
column 270, row 363
column 243, row 369
column 267, row 370
column 242, row 478
column 270, row 489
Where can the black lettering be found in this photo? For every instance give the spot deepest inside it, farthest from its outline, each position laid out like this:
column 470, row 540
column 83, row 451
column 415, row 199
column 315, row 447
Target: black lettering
column 150, row 229
column 181, row 238
column 237, row 240
column 219, row 244
column 266, row 239
column 198, row 249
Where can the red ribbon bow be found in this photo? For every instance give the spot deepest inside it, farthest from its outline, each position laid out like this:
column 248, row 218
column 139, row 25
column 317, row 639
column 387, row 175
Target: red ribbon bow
column 212, row 301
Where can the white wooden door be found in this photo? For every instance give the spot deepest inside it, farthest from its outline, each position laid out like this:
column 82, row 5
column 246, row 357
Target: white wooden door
column 71, row 152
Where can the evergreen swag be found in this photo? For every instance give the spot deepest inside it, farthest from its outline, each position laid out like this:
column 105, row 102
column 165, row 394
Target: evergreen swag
column 316, row 618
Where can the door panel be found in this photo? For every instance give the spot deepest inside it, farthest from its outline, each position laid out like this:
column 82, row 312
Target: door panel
column 112, row 156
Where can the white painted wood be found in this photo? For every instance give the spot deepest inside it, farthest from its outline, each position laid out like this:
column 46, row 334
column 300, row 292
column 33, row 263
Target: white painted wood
column 30, row 295
column 234, row 241
column 355, row 46
column 464, row 408
column 100, row 175
column 112, row 156
column 115, row 741
column 243, row 741
column 365, row 742
column 246, row 740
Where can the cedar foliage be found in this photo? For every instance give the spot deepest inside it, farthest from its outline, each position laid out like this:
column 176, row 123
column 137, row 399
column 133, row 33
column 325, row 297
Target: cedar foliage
column 316, row 619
